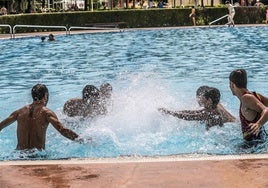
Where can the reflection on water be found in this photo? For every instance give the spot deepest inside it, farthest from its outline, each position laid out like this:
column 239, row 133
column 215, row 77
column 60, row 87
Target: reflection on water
column 148, row 70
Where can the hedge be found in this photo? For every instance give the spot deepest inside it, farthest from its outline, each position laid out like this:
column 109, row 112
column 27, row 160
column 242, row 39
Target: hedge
column 134, row 18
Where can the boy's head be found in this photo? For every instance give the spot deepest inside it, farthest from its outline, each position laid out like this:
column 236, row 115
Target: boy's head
column 39, row 92
column 204, row 94
column 200, row 94
column 214, row 95
column 106, row 90
column 239, row 78
column 90, row 92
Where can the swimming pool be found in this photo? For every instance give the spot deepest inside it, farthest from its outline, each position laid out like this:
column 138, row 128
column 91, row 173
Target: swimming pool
column 147, row 69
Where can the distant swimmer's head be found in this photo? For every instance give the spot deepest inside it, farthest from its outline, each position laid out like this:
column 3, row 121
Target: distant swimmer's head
column 90, row 92
column 213, row 95
column 43, row 38
column 51, row 37
column 106, row 90
column 39, row 92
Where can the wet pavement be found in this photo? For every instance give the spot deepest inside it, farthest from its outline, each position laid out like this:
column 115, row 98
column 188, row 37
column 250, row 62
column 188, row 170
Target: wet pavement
column 210, row 173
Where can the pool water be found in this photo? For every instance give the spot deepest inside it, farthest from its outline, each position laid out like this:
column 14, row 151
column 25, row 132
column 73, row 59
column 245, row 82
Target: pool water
column 148, row 69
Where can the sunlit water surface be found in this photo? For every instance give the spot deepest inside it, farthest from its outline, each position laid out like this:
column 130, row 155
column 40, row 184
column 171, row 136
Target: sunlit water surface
column 148, row 69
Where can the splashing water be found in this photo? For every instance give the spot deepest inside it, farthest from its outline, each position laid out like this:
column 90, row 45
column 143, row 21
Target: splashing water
column 148, row 70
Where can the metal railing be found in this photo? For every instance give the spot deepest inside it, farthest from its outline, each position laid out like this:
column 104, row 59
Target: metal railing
column 218, row 19
column 10, row 28
column 90, row 28
column 39, row 26
column 68, row 31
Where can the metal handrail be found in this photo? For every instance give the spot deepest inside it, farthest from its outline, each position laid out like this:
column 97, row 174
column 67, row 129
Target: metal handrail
column 219, row 19
column 10, row 28
column 90, row 28
column 39, row 26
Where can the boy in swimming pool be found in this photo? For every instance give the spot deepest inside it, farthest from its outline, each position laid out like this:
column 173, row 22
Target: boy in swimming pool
column 87, row 106
column 212, row 114
column 253, row 112
column 33, row 121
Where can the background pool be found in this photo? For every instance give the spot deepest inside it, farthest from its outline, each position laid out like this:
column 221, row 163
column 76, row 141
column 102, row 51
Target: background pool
column 147, row 69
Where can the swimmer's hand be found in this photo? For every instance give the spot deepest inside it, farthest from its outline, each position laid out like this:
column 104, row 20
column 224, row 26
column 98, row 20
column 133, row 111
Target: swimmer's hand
column 165, row 111
column 254, row 128
column 83, row 140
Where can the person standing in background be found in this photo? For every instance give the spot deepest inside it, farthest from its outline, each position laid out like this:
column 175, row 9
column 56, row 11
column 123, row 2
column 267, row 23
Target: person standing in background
column 231, row 13
column 192, row 15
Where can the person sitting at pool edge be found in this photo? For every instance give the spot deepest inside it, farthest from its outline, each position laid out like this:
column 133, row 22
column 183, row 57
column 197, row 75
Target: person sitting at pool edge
column 87, row 106
column 33, row 121
column 253, row 112
column 211, row 114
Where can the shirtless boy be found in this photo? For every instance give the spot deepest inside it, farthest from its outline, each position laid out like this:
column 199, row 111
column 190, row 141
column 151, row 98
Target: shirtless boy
column 87, row 106
column 33, row 121
column 210, row 114
column 253, row 112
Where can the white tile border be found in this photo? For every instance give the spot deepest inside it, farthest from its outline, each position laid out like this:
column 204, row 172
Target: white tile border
column 134, row 159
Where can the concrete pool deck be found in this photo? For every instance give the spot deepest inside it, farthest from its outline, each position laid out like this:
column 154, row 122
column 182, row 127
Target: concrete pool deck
column 167, row 172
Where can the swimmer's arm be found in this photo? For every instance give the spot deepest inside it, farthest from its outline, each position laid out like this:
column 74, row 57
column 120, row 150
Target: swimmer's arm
column 264, row 99
column 224, row 113
column 53, row 119
column 11, row 119
column 254, row 104
column 194, row 115
column 191, row 115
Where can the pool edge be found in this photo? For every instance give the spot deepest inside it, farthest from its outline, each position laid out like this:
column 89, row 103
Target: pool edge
column 136, row 159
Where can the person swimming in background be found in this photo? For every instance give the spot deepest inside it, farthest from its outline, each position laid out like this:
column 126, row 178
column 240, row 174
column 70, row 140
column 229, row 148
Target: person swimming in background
column 33, row 121
column 106, row 90
column 51, row 37
column 210, row 114
column 253, row 112
column 43, row 38
column 87, row 106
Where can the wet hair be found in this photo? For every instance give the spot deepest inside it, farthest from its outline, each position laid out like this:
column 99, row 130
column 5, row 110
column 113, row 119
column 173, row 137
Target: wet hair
column 39, row 91
column 239, row 78
column 51, row 37
column 90, row 91
column 106, row 88
column 201, row 90
column 213, row 94
column 43, row 38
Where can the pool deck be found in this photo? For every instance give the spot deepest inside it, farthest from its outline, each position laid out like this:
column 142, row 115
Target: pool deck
column 235, row 171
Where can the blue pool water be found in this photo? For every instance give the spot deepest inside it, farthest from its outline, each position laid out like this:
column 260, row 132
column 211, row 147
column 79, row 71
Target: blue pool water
column 148, row 69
